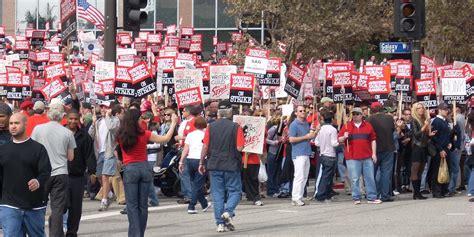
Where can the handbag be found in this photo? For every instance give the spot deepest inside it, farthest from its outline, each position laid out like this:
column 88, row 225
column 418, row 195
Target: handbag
column 431, row 149
column 443, row 173
column 262, row 173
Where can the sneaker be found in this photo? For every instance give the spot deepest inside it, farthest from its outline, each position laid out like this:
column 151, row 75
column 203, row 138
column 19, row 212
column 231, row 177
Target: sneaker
column 258, row 203
column 220, row 228
column 396, row 193
column 469, row 194
column 297, row 203
column 111, row 200
column 228, row 221
column 283, row 195
column 356, row 202
column 183, row 201
column 103, row 206
column 376, row 201
column 209, row 205
column 471, row 200
column 275, row 195
column 192, row 211
column 309, row 198
column 124, row 211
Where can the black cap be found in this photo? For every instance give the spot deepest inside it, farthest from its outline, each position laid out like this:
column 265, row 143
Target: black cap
column 443, row 106
column 224, row 104
column 86, row 105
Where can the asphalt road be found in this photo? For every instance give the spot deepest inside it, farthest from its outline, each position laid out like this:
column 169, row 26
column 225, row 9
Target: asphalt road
column 404, row 217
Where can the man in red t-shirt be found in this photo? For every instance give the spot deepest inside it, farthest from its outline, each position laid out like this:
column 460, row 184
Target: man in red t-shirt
column 38, row 117
column 358, row 137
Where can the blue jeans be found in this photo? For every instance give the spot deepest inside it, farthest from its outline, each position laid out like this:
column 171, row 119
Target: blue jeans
column 470, row 186
column 136, row 180
column 364, row 167
column 454, row 169
column 272, row 172
column 384, row 182
column 225, row 183
column 328, row 170
column 186, row 186
column 341, row 168
column 19, row 222
column 197, row 181
column 153, row 196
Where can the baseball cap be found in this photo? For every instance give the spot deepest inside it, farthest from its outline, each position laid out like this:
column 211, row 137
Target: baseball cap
column 443, row 106
column 5, row 109
column 376, row 105
column 67, row 101
column 26, row 104
column 86, row 105
column 326, row 99
column 38, row 105
column 224, row 104
column 357, row 110
column 56, row 107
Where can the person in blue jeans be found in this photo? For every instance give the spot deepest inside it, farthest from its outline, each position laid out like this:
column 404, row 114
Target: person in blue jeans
column 223, row 142
column 360, row 147
column 273, row 143
column 189, row 163
column 26, row 169
column 137, row 174
column 384, row 127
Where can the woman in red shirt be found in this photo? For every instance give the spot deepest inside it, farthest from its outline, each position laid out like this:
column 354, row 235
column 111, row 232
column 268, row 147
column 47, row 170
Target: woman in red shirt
column 132, row 139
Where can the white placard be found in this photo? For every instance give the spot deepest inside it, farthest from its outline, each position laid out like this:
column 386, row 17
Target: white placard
column 286, row 110
column 104, row 70
column 219, row 81
column 453, row 86
column 254, row 132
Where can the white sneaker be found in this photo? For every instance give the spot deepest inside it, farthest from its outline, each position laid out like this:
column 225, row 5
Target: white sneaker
column 209, row 205
column 220, row 228
column 396, row 193
column 297, row 203
column 192, row 211
column 376, row 201
column 258, row 203
column 228, row 221
column 469, row 194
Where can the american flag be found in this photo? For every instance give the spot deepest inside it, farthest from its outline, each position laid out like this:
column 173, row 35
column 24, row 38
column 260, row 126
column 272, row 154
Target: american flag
column 90, row 14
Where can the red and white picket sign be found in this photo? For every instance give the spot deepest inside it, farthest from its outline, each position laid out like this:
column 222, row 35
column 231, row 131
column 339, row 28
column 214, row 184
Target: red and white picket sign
column 187, row 31
column 425, row 87
column 256, row 60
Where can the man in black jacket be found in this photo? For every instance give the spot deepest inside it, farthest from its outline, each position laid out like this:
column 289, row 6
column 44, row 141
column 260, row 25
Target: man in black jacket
column 84, row 159
column 26, row 168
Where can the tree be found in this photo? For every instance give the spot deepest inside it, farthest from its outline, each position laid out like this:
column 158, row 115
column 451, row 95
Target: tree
column 337, row 28
column 317, row 28
column 30, row 18
column 450, row 30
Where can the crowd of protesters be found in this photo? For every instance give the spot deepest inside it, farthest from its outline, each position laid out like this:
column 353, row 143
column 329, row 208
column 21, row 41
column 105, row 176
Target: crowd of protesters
column 62, row 151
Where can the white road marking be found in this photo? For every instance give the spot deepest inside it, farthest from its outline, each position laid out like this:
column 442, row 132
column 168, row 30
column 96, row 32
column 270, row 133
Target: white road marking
column 456, row 214
column 287, row 211
column 117, row 213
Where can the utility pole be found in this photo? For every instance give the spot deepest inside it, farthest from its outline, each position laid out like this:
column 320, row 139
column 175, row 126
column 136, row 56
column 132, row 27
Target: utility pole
column 110, row 34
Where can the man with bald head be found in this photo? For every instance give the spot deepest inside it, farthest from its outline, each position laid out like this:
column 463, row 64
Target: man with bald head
column 26, row 169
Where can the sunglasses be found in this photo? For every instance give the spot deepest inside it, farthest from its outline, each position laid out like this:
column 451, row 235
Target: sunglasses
column 301, row 111
column 167, row 114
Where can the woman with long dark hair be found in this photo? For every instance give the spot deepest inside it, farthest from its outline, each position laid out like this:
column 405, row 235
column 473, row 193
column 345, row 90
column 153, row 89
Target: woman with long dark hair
column 420, row 125
column 132, row 139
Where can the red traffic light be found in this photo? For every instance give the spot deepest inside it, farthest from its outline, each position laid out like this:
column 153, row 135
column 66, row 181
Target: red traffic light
column 408, row 9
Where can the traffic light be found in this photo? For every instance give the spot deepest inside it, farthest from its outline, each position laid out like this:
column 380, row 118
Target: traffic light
column 132, row 15
column 409, row 20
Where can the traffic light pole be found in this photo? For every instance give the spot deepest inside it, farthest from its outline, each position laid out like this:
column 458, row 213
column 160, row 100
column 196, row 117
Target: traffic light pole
column 416, row 60
column 110, row 50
